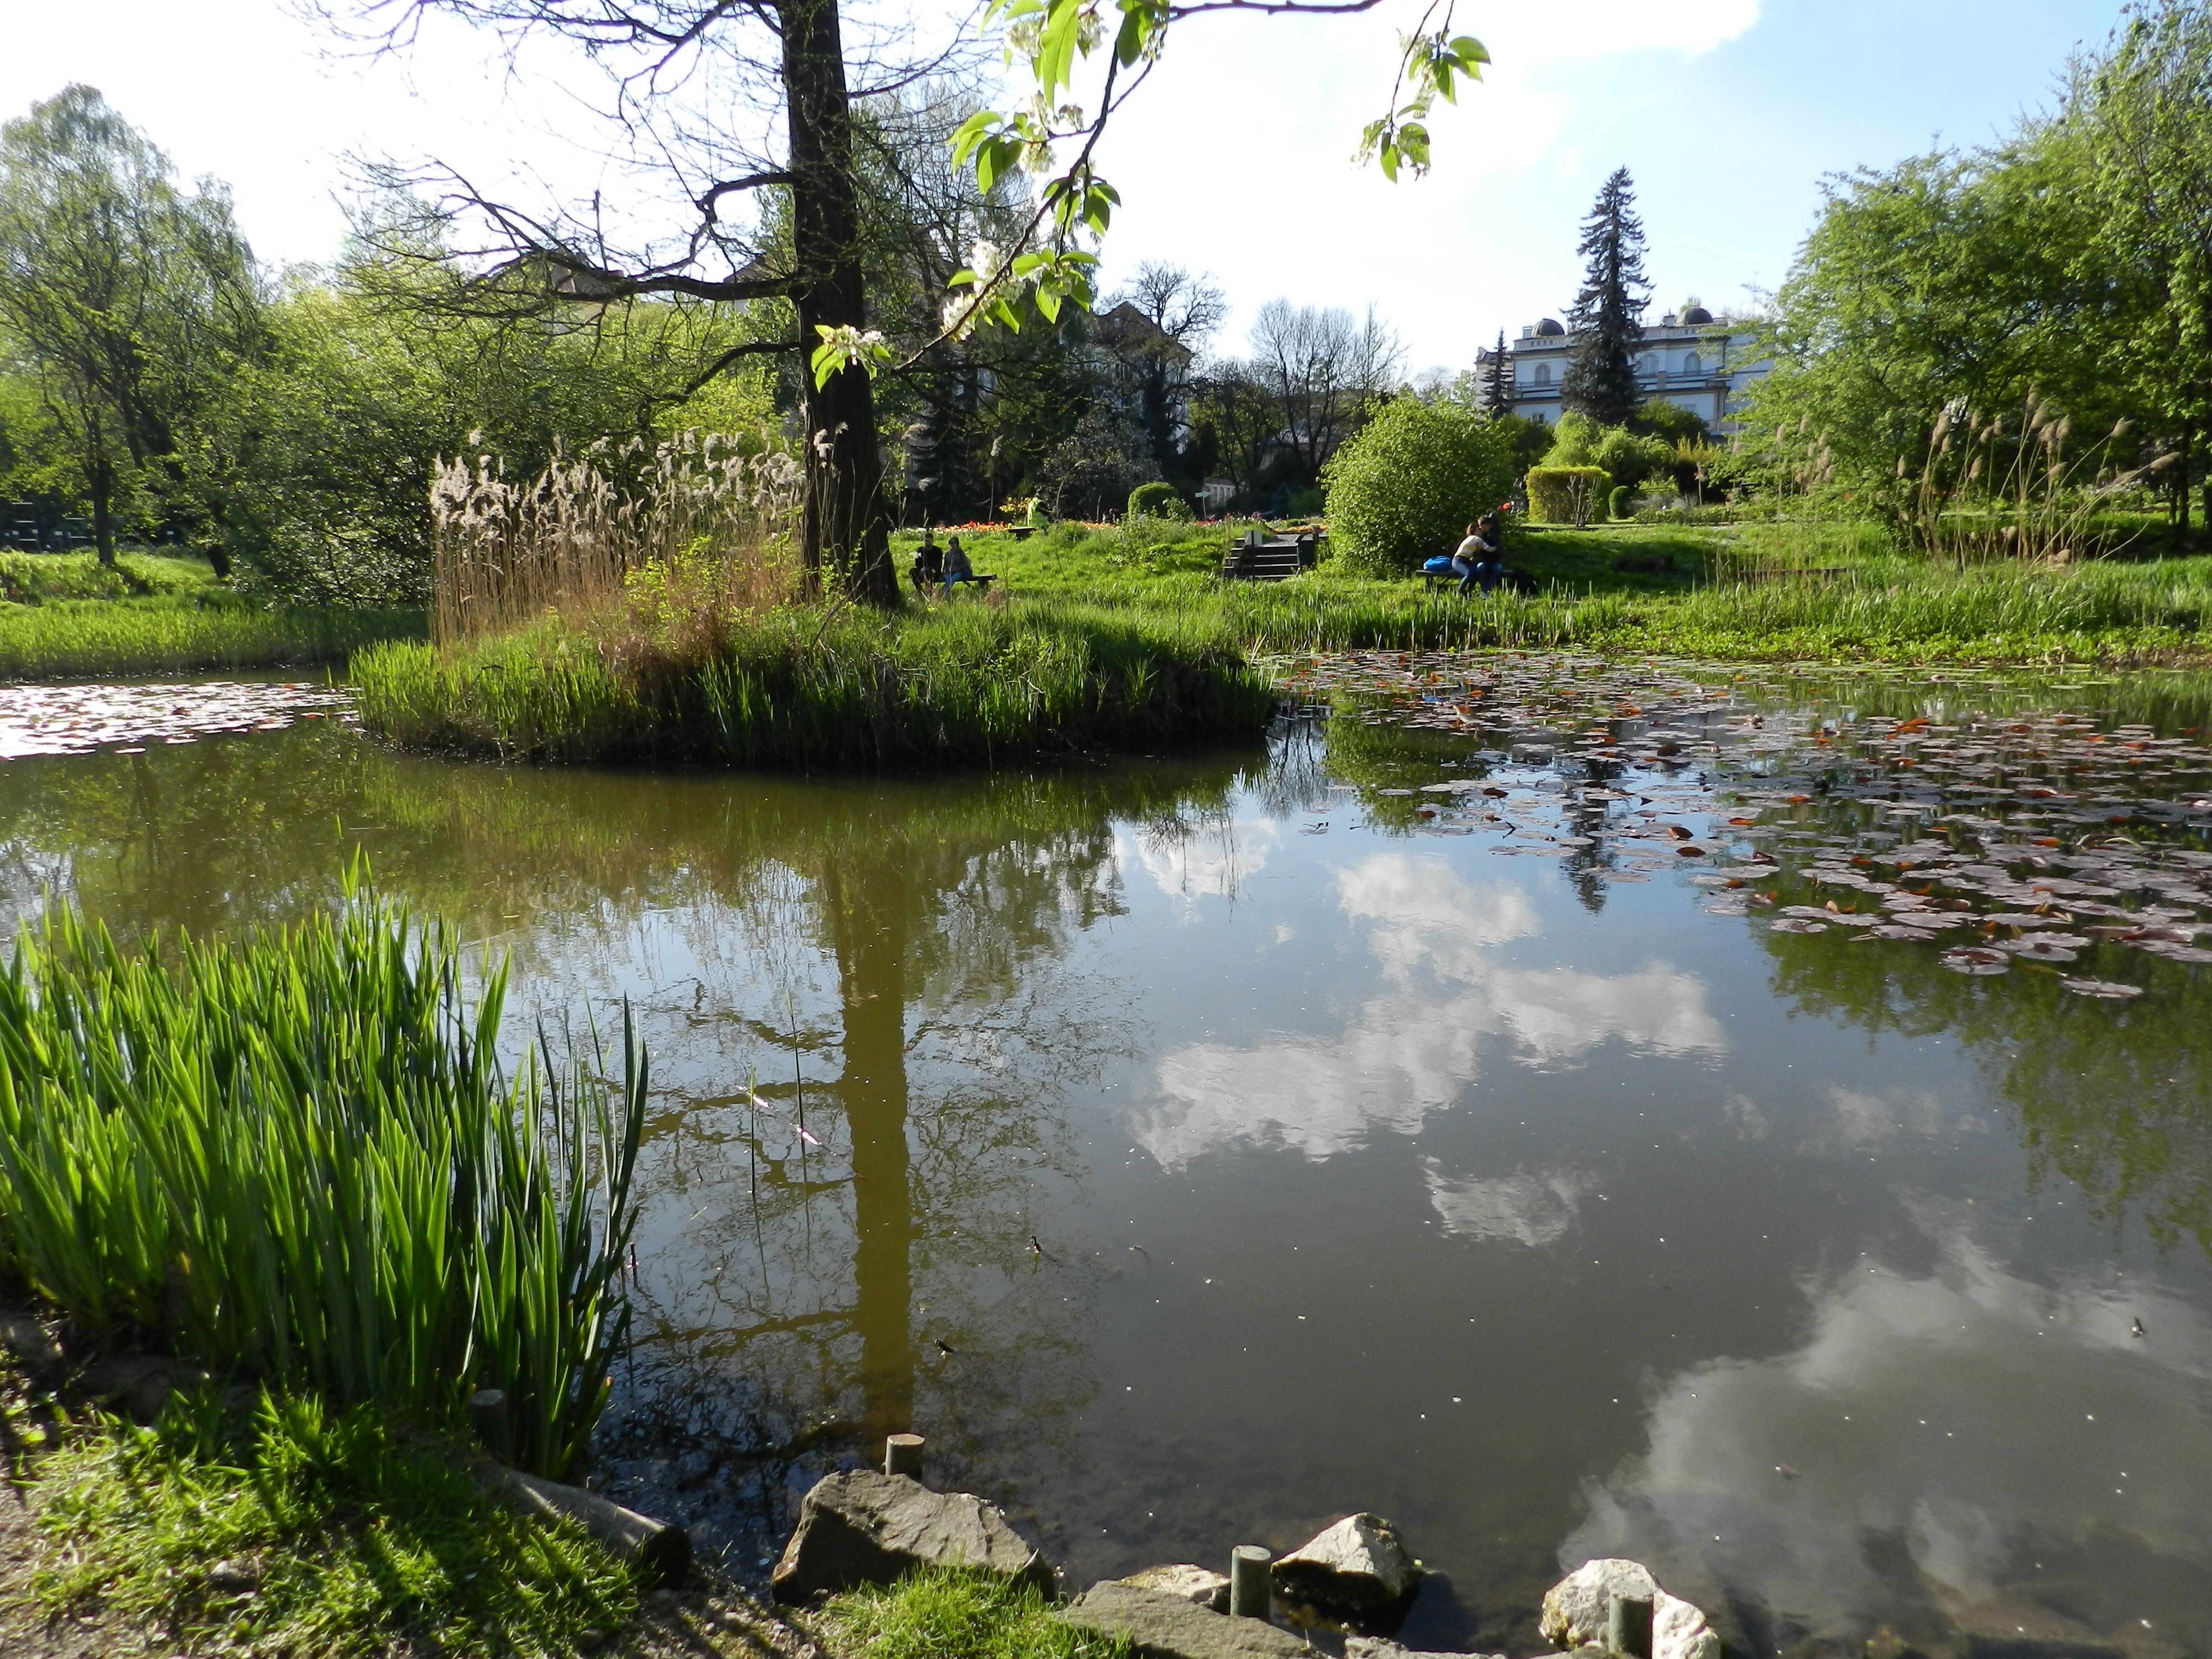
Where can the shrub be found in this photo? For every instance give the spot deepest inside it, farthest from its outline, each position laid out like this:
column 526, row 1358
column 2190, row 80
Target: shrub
column 1565, row 495
column 1157, row 500
column 1627, row 457
column 1621, row 503
column 1407, row 485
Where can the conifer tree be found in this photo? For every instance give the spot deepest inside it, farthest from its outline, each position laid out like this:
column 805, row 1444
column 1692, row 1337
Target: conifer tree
column 1607, row 320
column 1497, row 390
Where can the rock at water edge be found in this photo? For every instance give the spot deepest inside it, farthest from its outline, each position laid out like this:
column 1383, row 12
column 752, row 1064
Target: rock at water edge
column 1357, row 1569
column 1382, row 1647
column 1575, row 1611
column 1195, row 1585
column 1168, row 1627
column 862, row 1527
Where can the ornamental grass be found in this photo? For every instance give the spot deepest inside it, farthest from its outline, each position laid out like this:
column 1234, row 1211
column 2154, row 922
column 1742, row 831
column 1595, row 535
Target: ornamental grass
column 297, row 1156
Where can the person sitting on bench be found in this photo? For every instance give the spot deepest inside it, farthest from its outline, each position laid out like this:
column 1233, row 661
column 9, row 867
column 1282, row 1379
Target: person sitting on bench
column 1476, row 560
column 958, row 570
column 929, row 569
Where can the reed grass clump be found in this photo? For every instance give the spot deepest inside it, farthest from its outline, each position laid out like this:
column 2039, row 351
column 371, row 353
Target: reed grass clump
column 298, row 1156
column 567, row 543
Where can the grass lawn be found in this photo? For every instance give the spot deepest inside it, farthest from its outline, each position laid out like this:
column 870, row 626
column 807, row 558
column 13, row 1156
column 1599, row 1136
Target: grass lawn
column 1725, row 591
column 65, row 616
column 290, row 1527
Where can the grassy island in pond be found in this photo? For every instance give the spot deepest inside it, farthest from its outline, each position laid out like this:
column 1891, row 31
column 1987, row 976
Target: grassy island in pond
column 801, row 686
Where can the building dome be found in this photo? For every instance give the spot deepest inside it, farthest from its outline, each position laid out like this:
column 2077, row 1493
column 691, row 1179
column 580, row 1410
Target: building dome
column 1696, row 316
column 1550, row 329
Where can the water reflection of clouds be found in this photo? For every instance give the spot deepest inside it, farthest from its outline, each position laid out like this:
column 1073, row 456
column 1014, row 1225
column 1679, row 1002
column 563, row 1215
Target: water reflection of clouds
column 1530, row 1207
column 1412, row 1047
column 1912, row 1496
column 1208, row 858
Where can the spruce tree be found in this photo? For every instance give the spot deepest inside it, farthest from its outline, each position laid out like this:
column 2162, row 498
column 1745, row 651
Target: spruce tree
column 1497, row 390
column 1607, row 320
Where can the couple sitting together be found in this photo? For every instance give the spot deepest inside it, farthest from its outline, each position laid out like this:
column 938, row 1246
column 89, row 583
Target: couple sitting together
column 1481, row 557
column 946, row 566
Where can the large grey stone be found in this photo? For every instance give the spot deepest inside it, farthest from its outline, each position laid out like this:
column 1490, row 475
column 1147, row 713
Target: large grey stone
column 1195, row 1585
column 1575, row 1611
column 1160, row 1627
column 1355, row 1570
column 1382, row 1647
column 863, row 1527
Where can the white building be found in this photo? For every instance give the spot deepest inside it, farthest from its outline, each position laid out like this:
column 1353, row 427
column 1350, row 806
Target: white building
column 1691, row 360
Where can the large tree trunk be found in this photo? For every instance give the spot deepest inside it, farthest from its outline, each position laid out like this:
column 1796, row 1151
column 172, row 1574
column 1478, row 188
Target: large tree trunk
column 101, row 478
column 845, row 526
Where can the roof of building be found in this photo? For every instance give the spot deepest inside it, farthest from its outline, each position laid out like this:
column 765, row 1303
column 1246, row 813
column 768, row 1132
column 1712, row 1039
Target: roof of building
column 1126, row 329
column 1550, row 326
column 1696, row 315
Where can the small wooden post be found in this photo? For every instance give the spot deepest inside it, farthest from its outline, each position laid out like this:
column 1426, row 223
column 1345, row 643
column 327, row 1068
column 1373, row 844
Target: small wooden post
column 902, row 1454
column 488, row 1416
column 1628, row 1627
column 1250, row 1588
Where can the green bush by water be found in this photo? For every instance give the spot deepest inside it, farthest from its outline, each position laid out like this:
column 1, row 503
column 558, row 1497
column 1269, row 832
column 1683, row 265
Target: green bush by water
column 361, row 1542
column 297, row 1156
column 960, row 681
column 1409, row 484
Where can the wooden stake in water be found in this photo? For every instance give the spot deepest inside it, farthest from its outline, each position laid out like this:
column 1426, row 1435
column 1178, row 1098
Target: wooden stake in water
column 1628, row 1627
column 903, row 1455
column 1250, row 1590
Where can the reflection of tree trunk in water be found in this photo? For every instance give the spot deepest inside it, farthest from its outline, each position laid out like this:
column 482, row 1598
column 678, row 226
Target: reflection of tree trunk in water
column 868, row 925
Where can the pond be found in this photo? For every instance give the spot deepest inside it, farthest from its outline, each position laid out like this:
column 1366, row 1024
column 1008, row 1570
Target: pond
column 1756, row 1125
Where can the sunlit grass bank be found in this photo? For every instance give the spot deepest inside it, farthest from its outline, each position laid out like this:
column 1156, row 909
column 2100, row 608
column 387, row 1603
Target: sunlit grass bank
column 182, row 634
column 1734, row 592
column 943, row 1613
column 294, row 1527
column 296, row 1158
column 2113, row 614
column 963, row 681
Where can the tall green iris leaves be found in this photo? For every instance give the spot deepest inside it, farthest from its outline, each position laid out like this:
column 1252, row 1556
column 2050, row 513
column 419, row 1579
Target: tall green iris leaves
column 298, row 1156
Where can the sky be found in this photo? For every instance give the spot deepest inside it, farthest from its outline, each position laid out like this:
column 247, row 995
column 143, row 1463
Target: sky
column 1234, row 160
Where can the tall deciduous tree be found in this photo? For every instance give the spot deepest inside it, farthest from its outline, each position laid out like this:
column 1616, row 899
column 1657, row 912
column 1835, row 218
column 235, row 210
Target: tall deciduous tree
column 1321, row 367
column 129, row 300
column 1608, row 317
column 1185, row 311
column 793, row 53
column 2142, row 112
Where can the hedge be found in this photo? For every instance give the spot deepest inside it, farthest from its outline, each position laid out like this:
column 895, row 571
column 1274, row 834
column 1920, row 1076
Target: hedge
column 1551, row 492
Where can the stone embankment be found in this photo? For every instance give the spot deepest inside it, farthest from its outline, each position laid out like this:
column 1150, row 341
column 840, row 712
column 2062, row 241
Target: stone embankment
column 1355, row 1580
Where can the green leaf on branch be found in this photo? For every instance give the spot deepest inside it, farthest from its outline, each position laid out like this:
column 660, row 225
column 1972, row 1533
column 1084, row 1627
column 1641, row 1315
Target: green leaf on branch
column 845, row 348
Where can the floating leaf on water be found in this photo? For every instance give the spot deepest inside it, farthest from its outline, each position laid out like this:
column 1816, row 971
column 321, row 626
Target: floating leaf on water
column 1972, row 959
column 2112, row 989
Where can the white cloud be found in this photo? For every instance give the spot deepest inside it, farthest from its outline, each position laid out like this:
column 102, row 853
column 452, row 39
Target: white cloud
column 1957, row 1416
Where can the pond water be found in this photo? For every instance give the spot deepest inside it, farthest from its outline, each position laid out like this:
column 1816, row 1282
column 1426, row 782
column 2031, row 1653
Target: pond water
column 1756, row 1126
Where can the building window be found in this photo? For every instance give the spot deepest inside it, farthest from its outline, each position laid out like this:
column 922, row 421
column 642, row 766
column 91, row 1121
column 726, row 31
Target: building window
column 1691, row 365
column 1543, row 374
